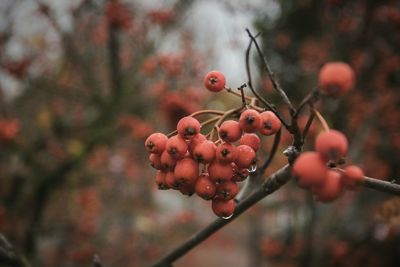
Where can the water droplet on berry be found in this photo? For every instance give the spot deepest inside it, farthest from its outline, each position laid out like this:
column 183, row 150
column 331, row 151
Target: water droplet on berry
column 228, row 217
column 252, row 168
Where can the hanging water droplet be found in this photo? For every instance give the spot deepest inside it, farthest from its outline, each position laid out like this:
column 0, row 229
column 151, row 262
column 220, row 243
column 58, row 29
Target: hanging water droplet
column 228, row 217
column 252, row 168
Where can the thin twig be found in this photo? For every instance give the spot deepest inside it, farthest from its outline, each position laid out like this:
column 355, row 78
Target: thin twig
column 308, row 125
column 310, row 98
column 382, row 186
column 275, row 146
column 9, row 256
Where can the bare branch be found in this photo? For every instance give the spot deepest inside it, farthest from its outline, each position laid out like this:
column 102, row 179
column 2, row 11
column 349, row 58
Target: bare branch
column 382, row 186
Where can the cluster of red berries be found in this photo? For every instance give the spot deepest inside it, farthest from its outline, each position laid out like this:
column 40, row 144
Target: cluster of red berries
column 314, row 170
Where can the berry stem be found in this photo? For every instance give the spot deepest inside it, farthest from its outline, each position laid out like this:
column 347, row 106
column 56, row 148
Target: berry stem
column 229, row 90
column 321, row 120
column 221, row 120
column 207, row 111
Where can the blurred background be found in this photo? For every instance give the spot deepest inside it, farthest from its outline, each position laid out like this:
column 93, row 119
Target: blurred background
column 84, row 82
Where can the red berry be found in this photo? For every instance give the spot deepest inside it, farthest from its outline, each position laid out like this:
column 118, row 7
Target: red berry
column 197, row 139
column 270, row 124
column 187, row 189
column 227, row 191
column 246, row 157
column 188, row 127
column 160, row 180
column 252, row 140
column 226, row 153
column 214, row 81
column 205, row 188
column 309, row 169
column 155, row 161
column 239, row 175
column 176, row 147
column 353, row 176
column 186, row 171
column 331, row 187
column 332, row 145
column 156, row 142
column 250, row 121
column 223, row 208
column 230, row 131
column 205, row 152
column 167, row 161
column 336, row 78
column 170, row 180
column 220, row 173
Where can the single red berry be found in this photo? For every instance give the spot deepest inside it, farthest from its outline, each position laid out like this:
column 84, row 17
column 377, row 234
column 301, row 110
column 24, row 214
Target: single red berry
column 176, row 147
column 220, row 173
column 226, row 153
column 160, row 180
column 223, row 209
column 205, row 188
column 331, row 188
column 186, row 171
column 205, row 152
column 336, row 78
column 250, row 120
column 188, row 127
column 171, row 181
column 332, row 145
column 197, row 139
column 252, row 140
column 155, row 161
column 239, row 175
column 353, row 176
column 270, row 124
column 230, row 131
column 156, row 142
column 167, row 161
column 309, row 169
column 246, row 157
column 187, row 189
column 214, row 81
column 227, row 191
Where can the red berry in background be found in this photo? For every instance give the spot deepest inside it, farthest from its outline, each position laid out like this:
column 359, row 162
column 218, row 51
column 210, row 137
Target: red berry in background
column 186, row 171
column 332, row 145
column 230, row 131
column 155, row 161
column 205, row 188
column 226, row 153
column 188, row 127
column 176, row 147
column 214, row 81
column 227, row 191
column 336, row 78
column 250, row 121
column 239, row 175
column 223, row 208
column 331, row 188
column 205, row 152
column 309, row 169
column 220, row 173
column 353, row 176
column 246, row 157
column 167, row 161
column 252, row 140
column 156, row 143
column 270, row 124
column 160, row 180
column 170, row 181
column 197, row 139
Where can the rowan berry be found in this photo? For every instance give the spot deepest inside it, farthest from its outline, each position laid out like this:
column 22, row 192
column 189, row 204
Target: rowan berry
column 239, row 175
column 214, row 81
column 309, row 169
column 197, row 139
column 171, row 181
column 252, row 140
column 246, row 157
column 230, row 131
column 187, row 189
column 167, row 161
column 226, row 153
column 353, row 176
column 160, row 180
column 250, row 121
column 176, row 147
column 332, row 145
column 219, row 172
column 155, row 161
column 336, row 78
column 223, row 209
column 270, row 124
column 205, row 152
column 227, row 191
column 205, row 188
column 156, row 143
column 186, row 171
column 188, row 127
column 331, row 187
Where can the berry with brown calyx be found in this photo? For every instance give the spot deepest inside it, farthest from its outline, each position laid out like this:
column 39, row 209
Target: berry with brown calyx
column 176, row 147
column 160, row 180
column 214, row 81
column 270, row 124
column 155, row 161
column 167, row 161
column 197, row 139
column 246, row 157
column 336, row 78
column 186, row 171
column 156, row 143
column 205, row 152
column 252, row 140
column 170, row 180
column 226, row 153
column 230, row 131
column 220, row 173
column 227, row 191
column 353, row 176
column 223, row 209
column 188, row 127
column 250, row 121
column 205, row 188
column 187, row 189
column 332, row 145
column 331, row 187
column 239, row 175
column 309, row 169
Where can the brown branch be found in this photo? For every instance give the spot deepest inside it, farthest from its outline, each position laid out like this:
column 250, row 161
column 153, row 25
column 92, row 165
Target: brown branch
column 273, row 183
column 9, row 256
column 382, row 186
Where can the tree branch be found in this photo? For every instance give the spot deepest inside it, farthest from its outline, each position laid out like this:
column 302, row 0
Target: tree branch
column 382, row 186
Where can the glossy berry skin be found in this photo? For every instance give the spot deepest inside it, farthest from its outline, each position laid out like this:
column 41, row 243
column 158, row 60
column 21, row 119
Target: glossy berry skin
column 205, row 188
column 252, row 140
column 186, row 171
column 155, row 161
column 309, row 169
column 230, row 131
column 214, row 81
column 239, row 175
column 171, row 182
column 336, row 78
column 250, row 121
column 156, row 143
column 197, row 139
column 205, row 152
column 188, row 127
column 227, row 191
column 160, row 180
column 353, row 176
column 223, row 208
column 167, row 161
column 220, row 173
column 332, row 145
column 331, row 188
column 270, row 124
column 226, row 153
column 246, row 157
column 176, row 147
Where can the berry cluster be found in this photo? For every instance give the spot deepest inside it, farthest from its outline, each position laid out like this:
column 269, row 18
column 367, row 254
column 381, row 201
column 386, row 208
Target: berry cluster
column 315, row 169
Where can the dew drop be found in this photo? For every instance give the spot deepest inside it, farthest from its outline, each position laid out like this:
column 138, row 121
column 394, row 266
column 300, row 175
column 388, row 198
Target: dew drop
column 252, row 168
column 228, row 217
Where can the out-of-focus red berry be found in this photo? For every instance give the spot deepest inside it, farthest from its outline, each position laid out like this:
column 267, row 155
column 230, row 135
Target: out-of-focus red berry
column 336, row 78
column 309, row 169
